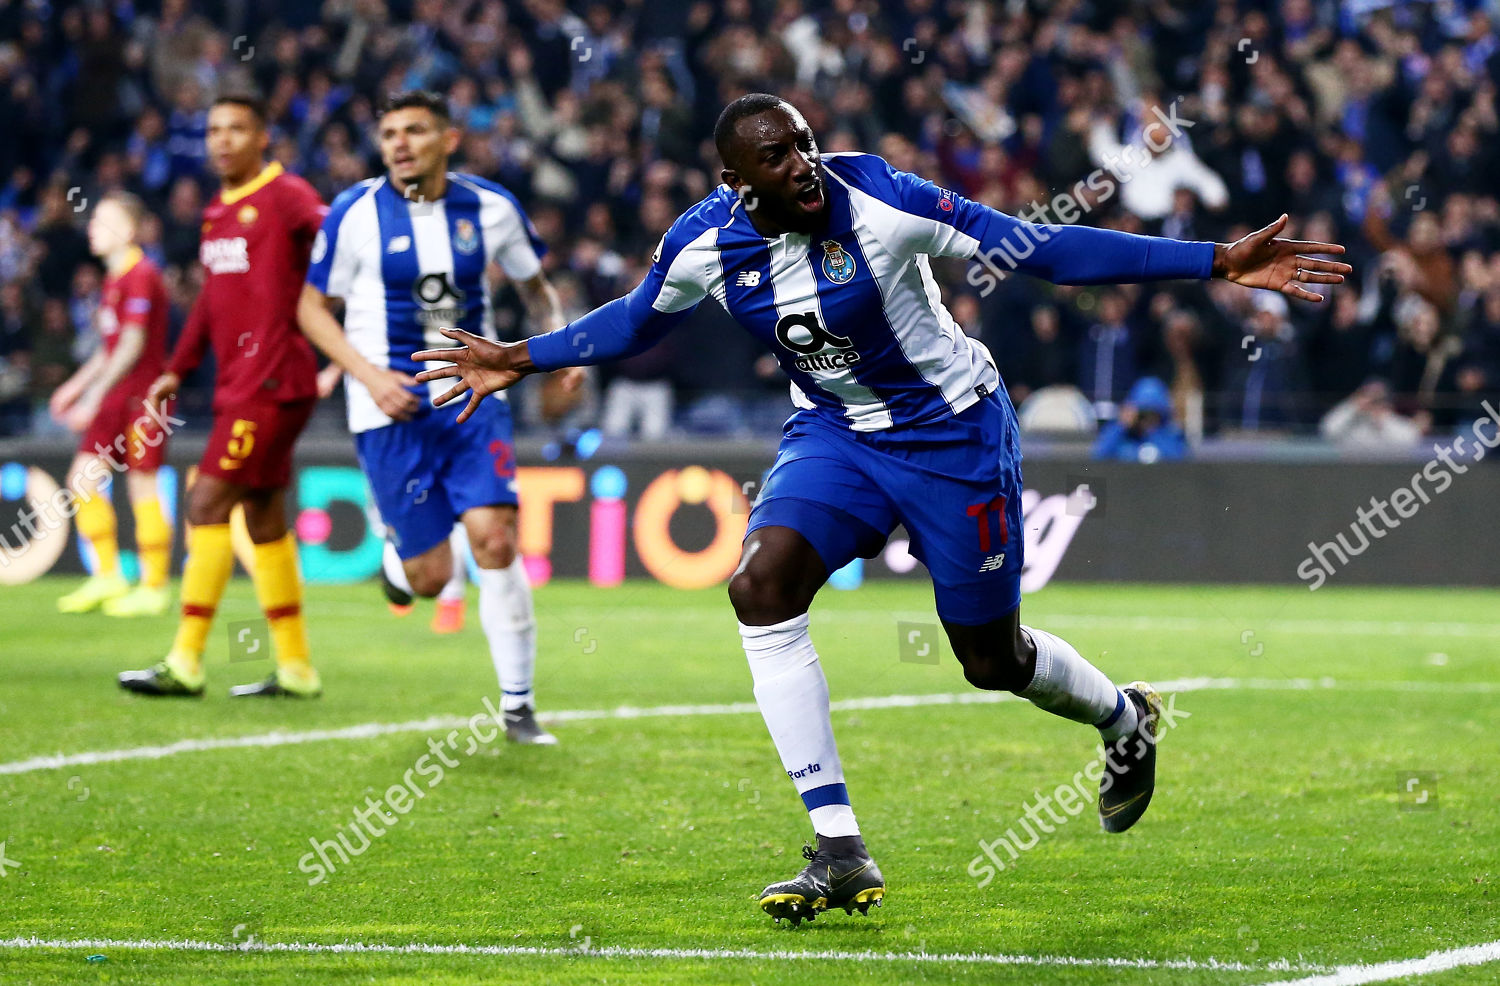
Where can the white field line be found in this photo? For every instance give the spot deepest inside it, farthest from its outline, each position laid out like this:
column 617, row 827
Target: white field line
column 615, row 952
column 434, row 724
column 1094, row 621
column 1188, row 624
column 1353, row 975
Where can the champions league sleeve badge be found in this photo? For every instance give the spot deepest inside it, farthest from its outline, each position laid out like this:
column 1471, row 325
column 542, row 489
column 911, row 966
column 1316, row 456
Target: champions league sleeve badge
column 838, row 266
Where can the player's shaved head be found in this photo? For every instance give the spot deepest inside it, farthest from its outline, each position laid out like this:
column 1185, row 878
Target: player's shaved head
column 726, row 131
column 772, row 162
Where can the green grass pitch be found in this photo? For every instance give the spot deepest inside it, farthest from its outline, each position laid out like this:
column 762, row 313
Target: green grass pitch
column 1282, row 841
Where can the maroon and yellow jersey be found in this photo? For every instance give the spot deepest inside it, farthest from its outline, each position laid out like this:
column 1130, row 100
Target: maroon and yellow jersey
column 135, row 297
column 254, row 249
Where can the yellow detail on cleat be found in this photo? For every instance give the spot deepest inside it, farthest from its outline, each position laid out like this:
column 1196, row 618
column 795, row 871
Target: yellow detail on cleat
column 773, row 903
column 1153, row 703
column 186, row 670
column 95, row 591
column 1111, row 812
column 309, row 685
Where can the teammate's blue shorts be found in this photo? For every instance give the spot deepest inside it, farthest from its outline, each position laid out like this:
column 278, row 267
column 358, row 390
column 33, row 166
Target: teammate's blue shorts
column 955, row 485
column 427, row 471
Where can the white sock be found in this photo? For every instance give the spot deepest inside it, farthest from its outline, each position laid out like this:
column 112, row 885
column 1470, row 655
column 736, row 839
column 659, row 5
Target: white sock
column 391, row 562
column 793, row 698
column 1067, row 685
column 506, row 615
column 454, row 587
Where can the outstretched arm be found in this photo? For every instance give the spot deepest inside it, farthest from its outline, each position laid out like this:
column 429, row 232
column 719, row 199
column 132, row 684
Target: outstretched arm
column 622, row 328
column 1086, row 255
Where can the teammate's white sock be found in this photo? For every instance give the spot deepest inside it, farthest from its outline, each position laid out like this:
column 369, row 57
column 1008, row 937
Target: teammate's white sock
column 1067, row 685
column 793, row 698
column 391, row 562
column 509, row 625
column 454, row 587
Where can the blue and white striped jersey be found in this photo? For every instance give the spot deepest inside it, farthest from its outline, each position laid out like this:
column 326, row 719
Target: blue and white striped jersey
column 853, row 313
column 406, row 268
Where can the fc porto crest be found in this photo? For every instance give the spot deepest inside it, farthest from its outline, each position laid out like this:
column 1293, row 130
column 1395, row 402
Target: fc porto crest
column 465, row 236
column 838, row 266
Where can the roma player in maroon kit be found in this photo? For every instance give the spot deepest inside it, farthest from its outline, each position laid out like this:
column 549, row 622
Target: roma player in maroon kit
column 257, row 235
column 106, row 401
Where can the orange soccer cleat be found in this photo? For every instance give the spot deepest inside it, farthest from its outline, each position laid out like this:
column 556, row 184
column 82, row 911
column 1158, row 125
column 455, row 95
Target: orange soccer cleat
column 449, row 616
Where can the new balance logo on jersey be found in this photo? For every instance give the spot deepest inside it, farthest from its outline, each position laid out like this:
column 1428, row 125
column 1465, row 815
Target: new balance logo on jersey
column 226, row 255
column 748, row 279
column 816, row 347
column 398, row 244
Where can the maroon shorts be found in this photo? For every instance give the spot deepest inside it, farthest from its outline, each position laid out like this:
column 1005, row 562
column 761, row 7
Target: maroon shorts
column 251, row 444
column 126, row 432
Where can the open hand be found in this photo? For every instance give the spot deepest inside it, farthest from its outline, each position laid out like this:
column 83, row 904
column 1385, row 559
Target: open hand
column 1263, row 260
column 481, row 366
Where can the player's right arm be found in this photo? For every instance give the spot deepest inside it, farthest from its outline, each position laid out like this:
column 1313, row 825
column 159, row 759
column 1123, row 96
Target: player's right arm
column 387, row 387
column 186, row 356
column 677, row 281
column 65, row 396
column 330, row 274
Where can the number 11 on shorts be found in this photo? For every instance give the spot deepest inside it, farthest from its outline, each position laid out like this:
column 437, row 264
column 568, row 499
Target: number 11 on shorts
column 989, row 515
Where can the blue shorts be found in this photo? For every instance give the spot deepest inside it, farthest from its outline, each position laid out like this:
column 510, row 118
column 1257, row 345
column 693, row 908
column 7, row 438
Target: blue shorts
column 955, row 485
column 427, row 471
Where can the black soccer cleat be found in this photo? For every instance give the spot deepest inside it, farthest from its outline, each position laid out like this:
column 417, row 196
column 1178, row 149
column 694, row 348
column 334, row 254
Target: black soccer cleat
column 839, row 873
column 394, row 594
column 521, row 727
column 1130, row 764
column 159, row 680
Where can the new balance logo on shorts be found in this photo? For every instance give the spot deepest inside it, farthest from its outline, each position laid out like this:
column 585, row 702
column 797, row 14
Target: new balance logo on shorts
column 748, row 279
column 993, row 563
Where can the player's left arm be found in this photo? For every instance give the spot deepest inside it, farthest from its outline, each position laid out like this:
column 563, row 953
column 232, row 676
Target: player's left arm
column 949, row 225
column 1086, row 255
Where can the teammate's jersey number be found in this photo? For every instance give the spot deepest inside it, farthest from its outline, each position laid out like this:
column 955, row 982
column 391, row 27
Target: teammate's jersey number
column 241, row 443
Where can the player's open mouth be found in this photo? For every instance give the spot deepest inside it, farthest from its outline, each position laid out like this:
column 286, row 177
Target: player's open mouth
column 811, row 198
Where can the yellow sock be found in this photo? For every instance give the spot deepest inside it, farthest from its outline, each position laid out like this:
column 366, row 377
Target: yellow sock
column 278, row 586
column 96, row 522
column 209, row 562
column 153, row 539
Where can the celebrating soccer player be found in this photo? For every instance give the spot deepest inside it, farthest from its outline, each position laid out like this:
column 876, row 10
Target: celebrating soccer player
column 902, row 419
column 408, row 254
column 257, row 234
column 106, row 400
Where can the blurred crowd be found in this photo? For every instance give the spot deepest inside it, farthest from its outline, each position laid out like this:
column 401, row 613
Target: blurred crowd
column 1371, row 123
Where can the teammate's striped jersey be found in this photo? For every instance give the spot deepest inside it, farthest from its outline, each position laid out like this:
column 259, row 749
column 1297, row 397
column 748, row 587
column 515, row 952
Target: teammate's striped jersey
column 853, row 313
column 406, row 268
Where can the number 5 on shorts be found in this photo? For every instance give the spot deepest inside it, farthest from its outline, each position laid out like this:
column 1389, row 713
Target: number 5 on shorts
column 241, row 442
